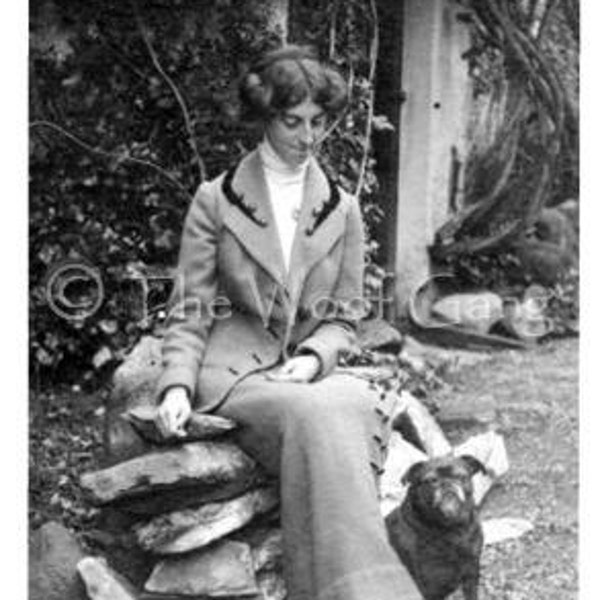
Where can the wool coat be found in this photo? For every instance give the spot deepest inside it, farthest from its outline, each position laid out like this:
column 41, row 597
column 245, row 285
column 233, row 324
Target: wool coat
column 235, row 310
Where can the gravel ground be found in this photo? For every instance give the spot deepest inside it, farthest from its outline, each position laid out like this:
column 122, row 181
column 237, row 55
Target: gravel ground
column 531, row 398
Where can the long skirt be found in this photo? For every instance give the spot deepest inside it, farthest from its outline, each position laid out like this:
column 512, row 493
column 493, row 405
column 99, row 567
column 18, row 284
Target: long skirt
column 326, row 443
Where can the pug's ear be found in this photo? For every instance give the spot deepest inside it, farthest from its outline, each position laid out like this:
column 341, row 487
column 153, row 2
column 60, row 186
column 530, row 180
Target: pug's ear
column 473, row 464
column 413, row 473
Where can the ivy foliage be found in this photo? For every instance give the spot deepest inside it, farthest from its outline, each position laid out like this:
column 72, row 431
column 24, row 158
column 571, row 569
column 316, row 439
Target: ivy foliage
column 132, row 105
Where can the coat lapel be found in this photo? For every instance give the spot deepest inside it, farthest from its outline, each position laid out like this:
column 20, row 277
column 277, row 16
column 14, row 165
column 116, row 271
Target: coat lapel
column 248, row 214
column 257, row 233
column 320, row 224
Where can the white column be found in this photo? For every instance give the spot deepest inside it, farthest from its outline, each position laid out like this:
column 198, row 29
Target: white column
column 433, row 120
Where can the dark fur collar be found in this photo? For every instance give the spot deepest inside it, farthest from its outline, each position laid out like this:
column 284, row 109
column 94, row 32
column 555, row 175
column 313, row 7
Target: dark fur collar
column 326, row 208
column 319, row 214
column 238, row 199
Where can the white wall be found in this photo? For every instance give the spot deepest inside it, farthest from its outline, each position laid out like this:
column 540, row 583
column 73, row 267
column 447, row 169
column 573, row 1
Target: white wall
column 433, row 119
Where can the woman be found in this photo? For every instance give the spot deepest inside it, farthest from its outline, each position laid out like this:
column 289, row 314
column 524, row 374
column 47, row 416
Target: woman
column 270, row 290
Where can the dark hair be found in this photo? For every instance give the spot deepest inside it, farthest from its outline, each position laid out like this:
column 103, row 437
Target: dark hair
column 285, row 77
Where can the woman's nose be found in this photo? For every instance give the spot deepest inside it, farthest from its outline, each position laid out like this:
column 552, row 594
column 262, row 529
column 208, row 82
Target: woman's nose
column 308, row 134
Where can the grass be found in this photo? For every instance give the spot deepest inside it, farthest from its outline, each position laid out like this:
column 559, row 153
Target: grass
column 534, row 396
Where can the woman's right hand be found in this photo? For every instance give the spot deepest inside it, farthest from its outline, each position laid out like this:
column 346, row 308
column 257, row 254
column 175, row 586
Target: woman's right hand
column 174, row 412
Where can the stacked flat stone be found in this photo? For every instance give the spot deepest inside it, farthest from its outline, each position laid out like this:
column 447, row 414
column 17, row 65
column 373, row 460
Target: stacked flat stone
column 204, row 511
column 206, row 514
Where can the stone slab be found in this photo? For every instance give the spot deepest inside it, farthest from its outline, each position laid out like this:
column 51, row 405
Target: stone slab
column 204, row 465
column 220, row 571
column 182, row 531
column 53, row 557
column 102, row 582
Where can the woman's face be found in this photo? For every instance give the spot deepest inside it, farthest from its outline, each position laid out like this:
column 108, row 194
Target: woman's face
column 295, row 133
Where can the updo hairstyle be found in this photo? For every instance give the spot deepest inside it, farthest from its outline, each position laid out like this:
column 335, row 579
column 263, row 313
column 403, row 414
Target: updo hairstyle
column 286, row 77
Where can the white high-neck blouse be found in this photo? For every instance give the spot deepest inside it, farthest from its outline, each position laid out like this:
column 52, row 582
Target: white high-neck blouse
column 285, row 184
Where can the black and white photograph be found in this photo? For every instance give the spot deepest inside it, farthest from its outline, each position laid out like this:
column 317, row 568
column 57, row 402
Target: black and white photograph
column 302, row 300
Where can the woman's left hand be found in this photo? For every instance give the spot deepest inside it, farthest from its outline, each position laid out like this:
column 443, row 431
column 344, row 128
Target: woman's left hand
column 299, row 369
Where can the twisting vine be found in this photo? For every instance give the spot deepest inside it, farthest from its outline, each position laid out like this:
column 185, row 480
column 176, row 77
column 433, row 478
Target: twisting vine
column 540, row 99
column 334, row 125
column 333, row 28
column 176, row 92
column 373, row 56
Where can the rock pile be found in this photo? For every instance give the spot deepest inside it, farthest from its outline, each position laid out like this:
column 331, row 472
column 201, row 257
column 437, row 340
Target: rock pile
column 201, row 512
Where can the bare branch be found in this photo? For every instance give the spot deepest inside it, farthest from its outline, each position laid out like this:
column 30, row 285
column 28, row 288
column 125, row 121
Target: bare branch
column 333, row 29
column 111, row 155
column 178, row 96
column 373, row 56
column 343, row 114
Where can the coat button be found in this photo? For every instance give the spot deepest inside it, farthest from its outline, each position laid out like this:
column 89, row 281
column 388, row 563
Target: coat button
column 377, row 469
column 272, row 332
column 382, row 415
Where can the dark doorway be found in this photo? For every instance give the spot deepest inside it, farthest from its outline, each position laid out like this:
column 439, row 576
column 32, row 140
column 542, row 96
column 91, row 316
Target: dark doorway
column 388, row 99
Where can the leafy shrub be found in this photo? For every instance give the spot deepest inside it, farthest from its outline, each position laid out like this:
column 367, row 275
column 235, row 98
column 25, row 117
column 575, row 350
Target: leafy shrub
column 130, row 110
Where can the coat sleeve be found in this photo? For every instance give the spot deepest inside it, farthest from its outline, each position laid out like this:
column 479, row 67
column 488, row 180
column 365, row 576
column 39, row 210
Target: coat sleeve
column 338, row 334
column 195, row 285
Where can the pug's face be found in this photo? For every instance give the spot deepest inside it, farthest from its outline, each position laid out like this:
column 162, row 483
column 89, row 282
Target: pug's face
column 441, row 489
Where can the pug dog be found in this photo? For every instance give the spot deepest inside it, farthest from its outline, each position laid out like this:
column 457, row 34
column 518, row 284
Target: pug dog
column 436, row 530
